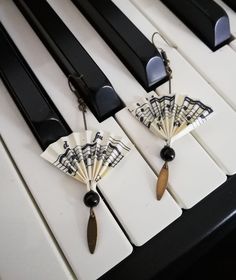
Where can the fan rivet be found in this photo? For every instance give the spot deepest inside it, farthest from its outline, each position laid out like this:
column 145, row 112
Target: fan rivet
column 91, row 199
column 167, row 153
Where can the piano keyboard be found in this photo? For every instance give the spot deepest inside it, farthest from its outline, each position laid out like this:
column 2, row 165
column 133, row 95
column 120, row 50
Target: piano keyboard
column 51, row 240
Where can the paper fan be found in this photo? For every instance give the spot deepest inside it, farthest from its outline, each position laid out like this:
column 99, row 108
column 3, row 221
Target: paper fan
column 169, row 117
column 87, row 156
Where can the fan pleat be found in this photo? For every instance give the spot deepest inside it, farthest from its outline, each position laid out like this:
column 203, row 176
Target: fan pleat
column 170, row 116
column 87, row 156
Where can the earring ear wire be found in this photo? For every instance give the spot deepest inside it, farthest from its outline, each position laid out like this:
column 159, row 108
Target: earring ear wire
column 165, row 59
column 164, row 39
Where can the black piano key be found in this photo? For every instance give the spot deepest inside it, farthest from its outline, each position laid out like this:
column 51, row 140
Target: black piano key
column 94, row 87
column 205, row 18
column 231, row 4
column 43, row 118
column 130, row 45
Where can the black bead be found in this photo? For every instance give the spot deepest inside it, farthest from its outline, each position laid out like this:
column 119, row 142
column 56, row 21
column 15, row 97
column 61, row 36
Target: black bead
column 167, row 153
column 91, row 199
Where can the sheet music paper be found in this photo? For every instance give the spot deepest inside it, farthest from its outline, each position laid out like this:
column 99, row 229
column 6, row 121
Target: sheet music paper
column 170, row 116
column 87, row 156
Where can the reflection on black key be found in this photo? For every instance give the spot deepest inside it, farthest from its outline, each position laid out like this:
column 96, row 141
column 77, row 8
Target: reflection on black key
column 94, row 87
column 38, row 110
column 205, row 18
column 231, row 4
column 133, row 48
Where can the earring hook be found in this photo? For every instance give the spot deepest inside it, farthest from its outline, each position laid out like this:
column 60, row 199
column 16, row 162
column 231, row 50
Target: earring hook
column 82, row 106
column 165, row 59
column 163, row 38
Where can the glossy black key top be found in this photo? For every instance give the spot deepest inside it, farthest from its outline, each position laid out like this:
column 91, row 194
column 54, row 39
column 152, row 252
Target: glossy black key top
column 94, row 86
column 231, row 4
column 43, row 118
column 205, row 18
column 130, row 45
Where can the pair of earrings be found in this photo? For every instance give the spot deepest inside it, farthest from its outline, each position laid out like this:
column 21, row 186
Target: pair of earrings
column 89, row 155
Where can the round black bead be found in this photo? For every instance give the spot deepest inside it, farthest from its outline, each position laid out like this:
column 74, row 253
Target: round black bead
column 167, row 153
column 91, row 199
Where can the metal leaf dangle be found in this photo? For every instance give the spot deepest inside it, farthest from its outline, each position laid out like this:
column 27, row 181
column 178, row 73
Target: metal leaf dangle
column 162, row 181
column 88, row 156
column 92, row 231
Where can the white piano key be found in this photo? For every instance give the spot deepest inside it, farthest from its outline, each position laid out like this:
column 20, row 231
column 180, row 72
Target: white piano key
column 60, row 199
column 134, row 201
column 132, row 197
column 27, row 250
column 187, row 194
column 218, row 67
column 193, row 175
column 217, row 138
column 218, row 135
column 231, row 14
column 233, row 44
column 56, row 85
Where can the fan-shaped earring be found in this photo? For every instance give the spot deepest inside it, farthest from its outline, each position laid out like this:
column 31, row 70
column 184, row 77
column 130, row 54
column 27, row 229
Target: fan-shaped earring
column 169, row 117
column 87, row 156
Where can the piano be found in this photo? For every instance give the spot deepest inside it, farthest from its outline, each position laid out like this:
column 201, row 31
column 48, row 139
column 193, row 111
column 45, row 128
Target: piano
column 43, row 218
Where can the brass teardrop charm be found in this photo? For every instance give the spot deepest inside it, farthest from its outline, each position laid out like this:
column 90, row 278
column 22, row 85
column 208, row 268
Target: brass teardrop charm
column 92, row 231
column 162, row 181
